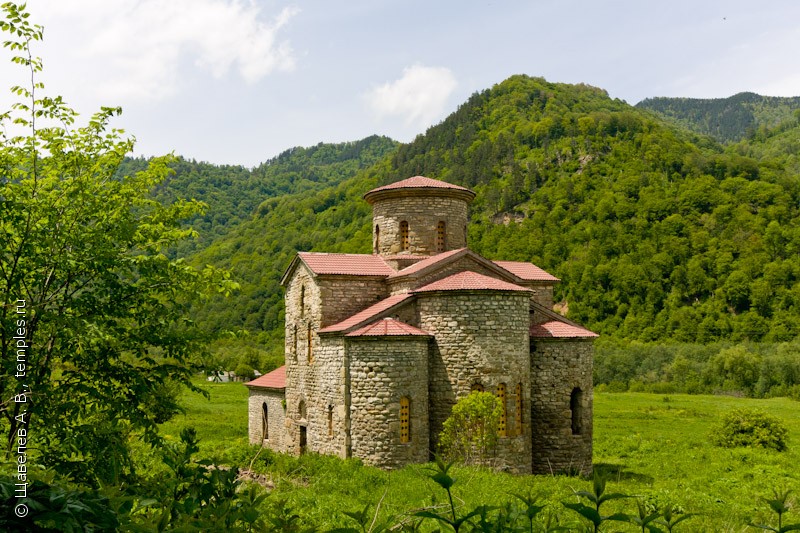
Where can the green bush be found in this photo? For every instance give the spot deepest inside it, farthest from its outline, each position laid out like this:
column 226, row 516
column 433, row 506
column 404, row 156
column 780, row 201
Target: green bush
column 470, row 433
column 245, row 371
column 750, row 428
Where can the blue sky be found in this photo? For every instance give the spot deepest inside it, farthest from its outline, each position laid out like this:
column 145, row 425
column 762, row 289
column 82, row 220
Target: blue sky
column 238, row 82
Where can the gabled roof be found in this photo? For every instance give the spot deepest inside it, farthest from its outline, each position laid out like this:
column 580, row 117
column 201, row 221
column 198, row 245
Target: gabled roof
column 388, row 327
column 272, row 380
column 430, row 262
column 526, row 271
column 556, row 329
column 420, row 184
column 367, row 315
column 469, row 280
column 321, row 264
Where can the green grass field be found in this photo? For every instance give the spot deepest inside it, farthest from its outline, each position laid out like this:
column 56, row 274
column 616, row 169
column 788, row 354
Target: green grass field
column 652, row 446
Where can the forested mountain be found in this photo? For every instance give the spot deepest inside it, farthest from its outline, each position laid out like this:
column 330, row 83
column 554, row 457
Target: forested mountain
column 726, row 119
column 655, row 236
column 233, row 192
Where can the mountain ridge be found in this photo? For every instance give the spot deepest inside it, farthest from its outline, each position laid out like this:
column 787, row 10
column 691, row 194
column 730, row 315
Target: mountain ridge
column 656, row 233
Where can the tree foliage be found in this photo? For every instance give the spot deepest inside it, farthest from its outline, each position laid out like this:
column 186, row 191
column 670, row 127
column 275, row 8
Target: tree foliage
column 657, row 234
column 750, row 428
column 470, row 434
column 94, row 312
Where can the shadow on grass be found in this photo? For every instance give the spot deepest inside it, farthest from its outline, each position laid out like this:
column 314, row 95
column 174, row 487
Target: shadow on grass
column 614, row 472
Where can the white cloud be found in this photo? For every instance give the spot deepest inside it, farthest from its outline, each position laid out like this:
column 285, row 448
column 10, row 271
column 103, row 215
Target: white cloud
column 135, row 50
column 419, row 95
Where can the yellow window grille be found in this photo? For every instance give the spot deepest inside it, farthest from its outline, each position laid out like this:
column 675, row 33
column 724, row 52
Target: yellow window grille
column 502, row 425
column 405, row 420
column 404, row 240
column 440, row 237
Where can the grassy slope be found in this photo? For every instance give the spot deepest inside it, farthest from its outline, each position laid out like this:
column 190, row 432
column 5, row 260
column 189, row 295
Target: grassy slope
column 652, row 445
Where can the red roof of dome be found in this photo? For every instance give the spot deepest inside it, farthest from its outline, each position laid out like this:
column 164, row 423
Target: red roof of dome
column 421, row 182
column 271, row 380
column 560, row 330
column 469, row 280
column 388, row 327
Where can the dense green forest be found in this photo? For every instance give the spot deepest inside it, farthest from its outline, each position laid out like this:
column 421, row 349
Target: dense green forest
column 232, row 193
column 657, row 234
column 726, row 119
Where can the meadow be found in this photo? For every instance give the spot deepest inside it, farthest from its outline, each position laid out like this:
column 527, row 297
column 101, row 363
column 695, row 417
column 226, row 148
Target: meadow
column 654, row 447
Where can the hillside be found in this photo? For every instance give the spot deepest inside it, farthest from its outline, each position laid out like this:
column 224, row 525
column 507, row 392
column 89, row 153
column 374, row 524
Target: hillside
column 726, row 119
column 655, row 236
column 232, row 193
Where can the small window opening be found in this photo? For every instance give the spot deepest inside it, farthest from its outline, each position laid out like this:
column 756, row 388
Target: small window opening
column 518, row 413
column 576, row 408
column 264, row 421
column 330, row 421
column 302, row 301
column 294, row 342
column 441, row 237
column 502, row 425
column 404, row 239
column 377, row 238
column 476, row 387
column 405, row 420
column 310, row 352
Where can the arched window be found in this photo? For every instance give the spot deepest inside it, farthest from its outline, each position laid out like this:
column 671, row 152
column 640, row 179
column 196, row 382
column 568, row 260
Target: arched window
column 264, row 421
column 404, row 240
column 476, row 387
column 441, row 236
column 330, row 420
column 576, row 408
column 518, row 414
column 502, row 425
column 301, row 409
column 377, row 238
column 302, row 301
column 405, row 420
column 309, row 352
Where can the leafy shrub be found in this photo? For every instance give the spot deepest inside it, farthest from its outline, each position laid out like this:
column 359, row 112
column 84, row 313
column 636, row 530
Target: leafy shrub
column 750, row 428
column 470, row 433
column 245, row 371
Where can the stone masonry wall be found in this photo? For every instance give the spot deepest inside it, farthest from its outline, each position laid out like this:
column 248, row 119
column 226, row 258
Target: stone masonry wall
column 302, row 388
column 422, row 213
column 542, row 293
column 383, row 370
column 480, row 337
column 343, row 296
column 276, row 430
column 558, row 367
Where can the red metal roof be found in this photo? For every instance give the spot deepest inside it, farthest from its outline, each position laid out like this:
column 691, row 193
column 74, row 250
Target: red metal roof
column 560, row 330
column 469, row 280
column 425, row 263
column 526, row 271
column 419, row 182
column 367, row 314
column 388, row 327
column 346, row 264
column 272, row 380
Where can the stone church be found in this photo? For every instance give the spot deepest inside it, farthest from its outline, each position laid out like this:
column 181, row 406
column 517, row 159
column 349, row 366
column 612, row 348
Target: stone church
column 379, row 347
